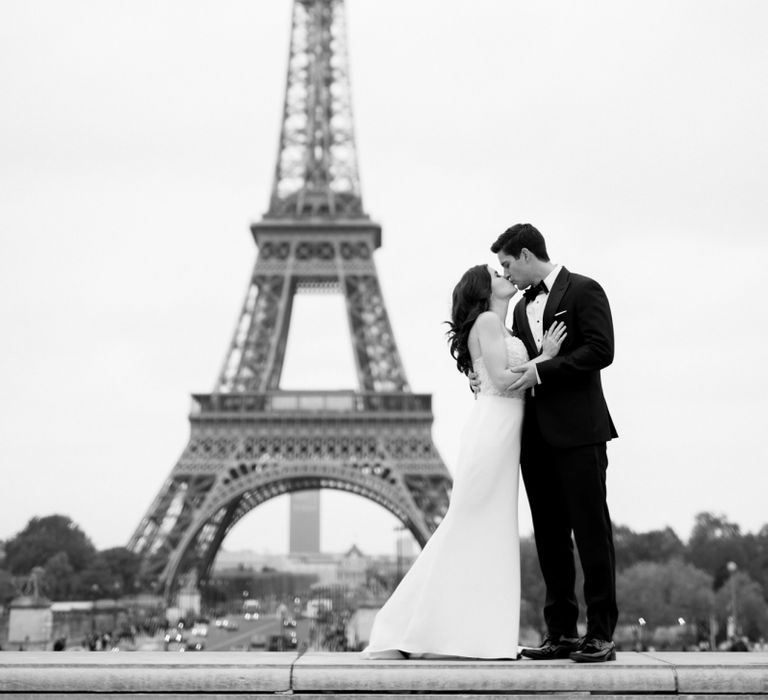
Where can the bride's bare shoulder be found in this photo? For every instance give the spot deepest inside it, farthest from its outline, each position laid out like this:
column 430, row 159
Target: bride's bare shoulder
column 488, row 323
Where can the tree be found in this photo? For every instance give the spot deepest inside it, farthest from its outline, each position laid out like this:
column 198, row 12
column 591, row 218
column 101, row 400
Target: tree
column 44, row 537
column 663, row 592
column 751, row 611
column 98, row 580
column 59, row 579
column 124, row 567
column 714, row 542
column 656, row 545
column 756, row 551
column 8, row 588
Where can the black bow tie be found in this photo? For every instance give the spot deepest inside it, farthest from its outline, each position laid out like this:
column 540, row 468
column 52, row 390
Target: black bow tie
column 534, row 290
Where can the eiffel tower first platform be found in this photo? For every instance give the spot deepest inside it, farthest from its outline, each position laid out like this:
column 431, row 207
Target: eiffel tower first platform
column 251, row 441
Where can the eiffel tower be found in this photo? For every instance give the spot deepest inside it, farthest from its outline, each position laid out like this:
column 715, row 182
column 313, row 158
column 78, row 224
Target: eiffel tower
column 251, row 441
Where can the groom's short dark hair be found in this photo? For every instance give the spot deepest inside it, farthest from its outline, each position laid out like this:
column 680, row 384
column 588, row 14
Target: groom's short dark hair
column 520, row 236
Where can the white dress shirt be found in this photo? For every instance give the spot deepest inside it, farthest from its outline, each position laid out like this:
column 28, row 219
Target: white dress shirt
column 535, row 308
column 535, row 312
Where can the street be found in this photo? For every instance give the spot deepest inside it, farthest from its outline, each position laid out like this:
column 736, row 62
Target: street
column 222, row 639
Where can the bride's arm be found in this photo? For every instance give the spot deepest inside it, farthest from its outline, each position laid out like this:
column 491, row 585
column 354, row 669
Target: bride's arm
column 550, row 347
column 491, row 334
column 551, row 343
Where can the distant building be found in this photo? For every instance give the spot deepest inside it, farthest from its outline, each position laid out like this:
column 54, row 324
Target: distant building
column 305, row 522
column 260, row 585
column 31, row 619
column 324, row 566
column 30, row 623
column 351, row 569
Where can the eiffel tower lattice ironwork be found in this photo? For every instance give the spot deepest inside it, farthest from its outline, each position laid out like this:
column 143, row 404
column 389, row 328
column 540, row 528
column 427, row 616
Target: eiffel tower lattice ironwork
column 251, row 441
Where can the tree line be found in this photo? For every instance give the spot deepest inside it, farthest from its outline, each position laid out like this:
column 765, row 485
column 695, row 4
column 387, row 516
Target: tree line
column 660, row 578
column 72, row 567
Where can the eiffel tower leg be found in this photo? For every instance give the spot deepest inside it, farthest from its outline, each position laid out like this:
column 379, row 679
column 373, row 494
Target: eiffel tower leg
column 164, row 526
column 209, row 547
column 378, row 360
column 144, row 536
column 255, row 356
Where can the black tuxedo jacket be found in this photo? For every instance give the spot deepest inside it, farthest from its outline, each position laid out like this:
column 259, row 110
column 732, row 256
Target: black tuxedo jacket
column 569, row 404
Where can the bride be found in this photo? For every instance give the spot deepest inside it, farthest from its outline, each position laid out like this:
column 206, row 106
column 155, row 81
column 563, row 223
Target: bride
column 461, row 597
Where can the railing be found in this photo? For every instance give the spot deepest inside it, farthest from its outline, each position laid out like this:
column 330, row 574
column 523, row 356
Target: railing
column 310, row 402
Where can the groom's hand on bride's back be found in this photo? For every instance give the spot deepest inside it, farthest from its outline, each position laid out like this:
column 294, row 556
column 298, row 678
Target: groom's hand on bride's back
column 474, row 383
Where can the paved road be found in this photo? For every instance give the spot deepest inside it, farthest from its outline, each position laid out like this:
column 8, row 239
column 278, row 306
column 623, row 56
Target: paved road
column 220, row 639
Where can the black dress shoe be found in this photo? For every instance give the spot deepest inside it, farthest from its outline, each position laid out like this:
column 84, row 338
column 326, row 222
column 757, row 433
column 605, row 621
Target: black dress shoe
column 594, row 651
column 553, row 648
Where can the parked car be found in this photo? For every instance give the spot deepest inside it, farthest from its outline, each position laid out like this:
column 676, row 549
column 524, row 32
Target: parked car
column 282, row 642
column 258, row 641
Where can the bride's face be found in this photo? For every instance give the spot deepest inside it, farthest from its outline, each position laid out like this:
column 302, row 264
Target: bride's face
column 501, row 287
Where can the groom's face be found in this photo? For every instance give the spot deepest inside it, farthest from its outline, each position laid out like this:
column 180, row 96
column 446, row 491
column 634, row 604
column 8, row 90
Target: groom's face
column 517, row 270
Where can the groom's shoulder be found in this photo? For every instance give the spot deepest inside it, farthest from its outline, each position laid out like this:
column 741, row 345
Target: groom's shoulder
column 582, row 281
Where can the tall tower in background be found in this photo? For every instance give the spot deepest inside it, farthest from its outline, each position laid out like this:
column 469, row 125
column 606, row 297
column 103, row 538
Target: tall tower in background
column 304, row 535
column 250, row 440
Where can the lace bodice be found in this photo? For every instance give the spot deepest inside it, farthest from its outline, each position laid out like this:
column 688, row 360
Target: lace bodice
column 516, row 355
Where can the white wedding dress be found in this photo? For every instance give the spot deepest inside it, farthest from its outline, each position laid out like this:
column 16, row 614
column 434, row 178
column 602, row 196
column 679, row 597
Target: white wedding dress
column 461, row 597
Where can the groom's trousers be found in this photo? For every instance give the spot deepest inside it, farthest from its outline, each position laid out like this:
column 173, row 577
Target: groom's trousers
column 566, row 490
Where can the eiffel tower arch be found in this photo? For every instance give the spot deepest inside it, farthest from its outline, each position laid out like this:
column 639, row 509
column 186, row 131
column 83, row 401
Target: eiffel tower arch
column 251, row 441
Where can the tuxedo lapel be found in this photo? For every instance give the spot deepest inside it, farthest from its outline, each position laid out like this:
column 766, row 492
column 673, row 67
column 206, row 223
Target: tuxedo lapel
column 524, row 329
column 555, row 295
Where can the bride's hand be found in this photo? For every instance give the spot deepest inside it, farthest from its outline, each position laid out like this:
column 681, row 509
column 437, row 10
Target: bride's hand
column 553, row 339
column 474, row 383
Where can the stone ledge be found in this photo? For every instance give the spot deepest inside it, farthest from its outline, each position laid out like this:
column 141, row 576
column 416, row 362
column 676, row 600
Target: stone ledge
column 630, row 673
column 718, row 672
column 206, row 675
column 368, row 696
column 145, row 672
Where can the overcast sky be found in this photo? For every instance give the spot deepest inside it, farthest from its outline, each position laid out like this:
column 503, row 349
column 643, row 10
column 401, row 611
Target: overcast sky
column 137, row 143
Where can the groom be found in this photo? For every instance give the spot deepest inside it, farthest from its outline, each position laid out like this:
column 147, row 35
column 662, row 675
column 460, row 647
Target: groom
column 563, row 456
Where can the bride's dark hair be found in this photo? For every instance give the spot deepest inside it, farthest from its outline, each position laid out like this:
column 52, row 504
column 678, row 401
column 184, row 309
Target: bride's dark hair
column 471, row 297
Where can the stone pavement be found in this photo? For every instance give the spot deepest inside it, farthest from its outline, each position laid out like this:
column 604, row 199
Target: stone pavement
column 240, row 674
